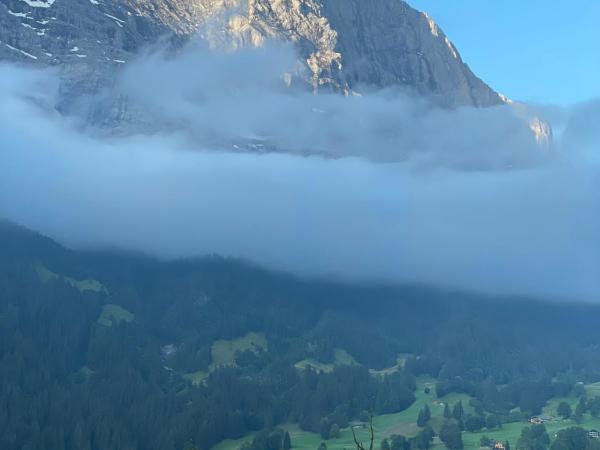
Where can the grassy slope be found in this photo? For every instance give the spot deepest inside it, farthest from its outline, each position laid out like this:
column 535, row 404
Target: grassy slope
column 114, row 314
column 405, row 423
column 46, row 275
column 223, row 354
column 341, row 358
column 400, row 361
column 111, row 314
column 223, row 351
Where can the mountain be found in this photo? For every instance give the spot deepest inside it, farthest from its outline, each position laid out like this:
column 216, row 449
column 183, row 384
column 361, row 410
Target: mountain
column 105, row 350
column 347, row 45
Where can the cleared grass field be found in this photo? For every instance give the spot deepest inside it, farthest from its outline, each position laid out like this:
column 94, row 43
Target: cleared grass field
column 113, row 315
column 223, row 351
column 223, row 354
column 196, row 378
column 400, row 361
column 46, row 276
column 405, row 423
column 341, row 358
column 593, row 389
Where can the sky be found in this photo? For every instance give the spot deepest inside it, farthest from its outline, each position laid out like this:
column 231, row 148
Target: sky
column 530, row 50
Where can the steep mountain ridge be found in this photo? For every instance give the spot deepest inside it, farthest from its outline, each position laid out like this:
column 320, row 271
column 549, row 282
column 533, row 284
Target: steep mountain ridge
column 136, row 364
column 345, row 44
column 391, row 44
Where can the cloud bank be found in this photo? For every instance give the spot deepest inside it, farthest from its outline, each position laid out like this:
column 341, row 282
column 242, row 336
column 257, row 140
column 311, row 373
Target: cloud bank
column 377, row 187
column 229, row 97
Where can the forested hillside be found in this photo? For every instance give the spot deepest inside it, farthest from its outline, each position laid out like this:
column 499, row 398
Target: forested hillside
column 108, row 350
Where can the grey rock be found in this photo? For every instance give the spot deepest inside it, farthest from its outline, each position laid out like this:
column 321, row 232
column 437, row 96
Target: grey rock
column 387, row 43
column 347, row 45
column 358, row 45
column 85, row 41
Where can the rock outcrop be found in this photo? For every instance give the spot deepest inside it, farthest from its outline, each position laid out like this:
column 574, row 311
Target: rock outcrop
column 347, row 45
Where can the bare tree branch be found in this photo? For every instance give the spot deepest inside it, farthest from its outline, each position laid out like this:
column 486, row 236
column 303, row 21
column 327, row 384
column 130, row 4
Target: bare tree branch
column 372, row 433
column 359, row 445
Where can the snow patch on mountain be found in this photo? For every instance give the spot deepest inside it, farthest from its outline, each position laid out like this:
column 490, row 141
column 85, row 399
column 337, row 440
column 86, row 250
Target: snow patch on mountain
column 39, row 3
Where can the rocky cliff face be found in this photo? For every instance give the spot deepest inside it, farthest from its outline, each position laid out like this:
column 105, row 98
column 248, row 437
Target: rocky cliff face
column 347, row 45
column 388, row 43
column 87, row 41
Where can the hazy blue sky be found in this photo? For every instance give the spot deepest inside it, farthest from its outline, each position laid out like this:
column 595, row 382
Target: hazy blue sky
column 536, row 50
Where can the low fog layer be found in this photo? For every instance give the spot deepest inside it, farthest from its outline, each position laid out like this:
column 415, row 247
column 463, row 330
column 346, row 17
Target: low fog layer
column 258, row 94
column 402, row 191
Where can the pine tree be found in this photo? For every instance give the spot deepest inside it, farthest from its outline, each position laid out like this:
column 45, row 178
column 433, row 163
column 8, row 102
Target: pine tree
column 580, row 409
column 458, row 412
column 451, row 436
column 421, row 419
column 287, row 441
column 385, row 444
column 324, row 428
column 564, row 410
column 424, row 416
column 427, row 413
column 447, row 412
column 424, row 439
column 334, row 431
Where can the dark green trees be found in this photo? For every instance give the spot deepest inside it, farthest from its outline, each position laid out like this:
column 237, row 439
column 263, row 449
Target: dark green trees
column 329, row 430
column 474, row 423
column 534, row 437
column 564, row 410
column 424, row 416
column 424, row 438
column 580, row 409
column 493, row 421
column 275, row 440
column 447, row 411
column 458, row 411
column 593, row 406
column 399, row 442
column 574, row 438
column 485, row 442
column 287, row 441
column 334, row 431
column 451, row 436
column 324, row 428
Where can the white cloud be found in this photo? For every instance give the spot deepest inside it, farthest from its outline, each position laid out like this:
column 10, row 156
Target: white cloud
column 458, row 198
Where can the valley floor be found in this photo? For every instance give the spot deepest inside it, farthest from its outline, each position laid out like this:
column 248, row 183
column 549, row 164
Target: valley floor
column 405, row 423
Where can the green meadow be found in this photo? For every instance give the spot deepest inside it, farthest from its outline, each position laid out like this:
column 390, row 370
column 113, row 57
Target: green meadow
column 47, row 276
column 113, row 315
column 223, row 354
column 405, row 423
column 340, row 358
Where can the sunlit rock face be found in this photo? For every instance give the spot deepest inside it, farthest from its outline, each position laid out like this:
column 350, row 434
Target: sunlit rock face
column 388, row 43
column 346, row 45
column 542, row 132
column 357, row 45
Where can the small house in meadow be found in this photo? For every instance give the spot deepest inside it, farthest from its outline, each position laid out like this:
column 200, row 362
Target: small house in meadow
column 539, row 420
